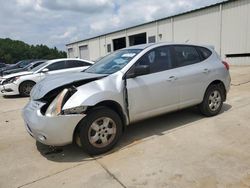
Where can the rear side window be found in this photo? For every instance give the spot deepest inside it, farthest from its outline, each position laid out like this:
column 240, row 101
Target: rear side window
column 205, row 53
column 75, row 63
column 37, row 64
column 186, row 55
column 56, row 66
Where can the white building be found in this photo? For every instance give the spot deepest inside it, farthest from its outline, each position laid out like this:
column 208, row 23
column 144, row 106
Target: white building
column 224, row 25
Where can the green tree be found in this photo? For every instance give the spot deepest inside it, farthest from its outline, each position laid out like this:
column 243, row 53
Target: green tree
column 12, row 51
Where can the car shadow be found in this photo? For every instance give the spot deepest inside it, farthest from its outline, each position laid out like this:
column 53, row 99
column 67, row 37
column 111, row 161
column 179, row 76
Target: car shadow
column 13, row 96
column 134, row 134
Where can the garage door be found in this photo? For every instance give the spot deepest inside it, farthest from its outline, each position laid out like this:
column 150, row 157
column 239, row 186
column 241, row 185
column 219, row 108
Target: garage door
column 84, row 52
column 70, row 52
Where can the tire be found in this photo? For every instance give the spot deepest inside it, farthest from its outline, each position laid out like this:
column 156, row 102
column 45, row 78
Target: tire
column 100, row 130
column 25, row 88
column 212, row 101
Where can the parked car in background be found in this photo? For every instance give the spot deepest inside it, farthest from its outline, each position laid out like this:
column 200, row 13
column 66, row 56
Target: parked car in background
column 22, row 82
column 20, row 64
column 2, row 65
column 92, row 108
column 26, row 68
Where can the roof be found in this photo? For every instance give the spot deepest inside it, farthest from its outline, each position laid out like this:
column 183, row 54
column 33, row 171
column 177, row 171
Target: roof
column 140, row 46
column 144, row 46
column 175, row 15
column 65, row 59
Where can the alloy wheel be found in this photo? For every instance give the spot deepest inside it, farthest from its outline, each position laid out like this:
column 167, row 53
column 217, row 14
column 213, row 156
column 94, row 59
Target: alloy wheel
column 214, row 100
column 102, row 132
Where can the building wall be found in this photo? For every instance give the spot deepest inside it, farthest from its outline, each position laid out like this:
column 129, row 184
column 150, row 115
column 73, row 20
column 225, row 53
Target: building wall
column 235, row 38
column 165, row 29
column 201, row 27
column 225, row 26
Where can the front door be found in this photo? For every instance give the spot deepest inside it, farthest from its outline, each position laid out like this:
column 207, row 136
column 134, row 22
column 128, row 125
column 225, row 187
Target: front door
column 156, row 92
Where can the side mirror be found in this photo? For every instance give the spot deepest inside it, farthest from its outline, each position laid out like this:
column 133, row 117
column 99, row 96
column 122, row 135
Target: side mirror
column 45, row 70
column 139, row 70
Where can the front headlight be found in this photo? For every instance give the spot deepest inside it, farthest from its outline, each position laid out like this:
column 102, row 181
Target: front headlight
column 55, row 107
column 75, row 110
column 11, row 80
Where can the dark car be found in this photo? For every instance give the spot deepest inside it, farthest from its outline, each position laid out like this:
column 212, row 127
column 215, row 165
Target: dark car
column 26, row 68
column 20, row 64
column 2, row 65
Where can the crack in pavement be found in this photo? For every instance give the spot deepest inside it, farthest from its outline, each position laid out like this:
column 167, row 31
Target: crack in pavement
column 42, row 178
column 240, row 83
column 95, row 159
column 110, row 173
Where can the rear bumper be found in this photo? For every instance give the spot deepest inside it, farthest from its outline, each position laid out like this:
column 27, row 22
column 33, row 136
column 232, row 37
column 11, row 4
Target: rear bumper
column 228, row 83
column 55, row 131
column 9, row 89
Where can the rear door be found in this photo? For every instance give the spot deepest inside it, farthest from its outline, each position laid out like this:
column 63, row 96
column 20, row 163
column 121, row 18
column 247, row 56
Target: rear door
column 54, row 68
column 194, row 74
column 156, row 92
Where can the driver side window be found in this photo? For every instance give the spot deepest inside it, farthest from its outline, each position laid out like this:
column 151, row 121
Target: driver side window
column 158, row 59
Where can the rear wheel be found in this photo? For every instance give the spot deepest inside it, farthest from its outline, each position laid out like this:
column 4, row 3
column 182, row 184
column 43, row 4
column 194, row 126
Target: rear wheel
column 100, row 130
column 213, row 101
column 25, row 88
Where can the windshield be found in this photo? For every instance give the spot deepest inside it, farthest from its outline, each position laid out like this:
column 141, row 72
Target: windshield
column 27, row 67
column 113, row 62
column 39, row 67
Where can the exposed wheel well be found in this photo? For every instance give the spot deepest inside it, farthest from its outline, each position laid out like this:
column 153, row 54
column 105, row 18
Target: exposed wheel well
column 221, row 84
column 114, row 106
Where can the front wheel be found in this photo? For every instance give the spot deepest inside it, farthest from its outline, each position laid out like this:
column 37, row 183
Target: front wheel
column 212, row 101
column 100, row 130
column 25, row 88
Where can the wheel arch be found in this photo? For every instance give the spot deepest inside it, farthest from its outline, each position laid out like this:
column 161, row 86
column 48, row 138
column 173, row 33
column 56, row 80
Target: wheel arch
column 221, row 84
column 113, row 105
column 24, row 82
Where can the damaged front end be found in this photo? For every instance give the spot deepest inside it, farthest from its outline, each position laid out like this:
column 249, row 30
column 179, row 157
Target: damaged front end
column 55, row 99
column 54, row 108
column 46, row 115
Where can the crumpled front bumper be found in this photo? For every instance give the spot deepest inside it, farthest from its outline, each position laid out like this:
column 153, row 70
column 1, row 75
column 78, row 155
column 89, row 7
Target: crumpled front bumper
column 55, row 131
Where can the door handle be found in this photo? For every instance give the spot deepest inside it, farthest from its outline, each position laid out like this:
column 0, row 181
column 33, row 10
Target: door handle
column 206, row 71
column 172, row 78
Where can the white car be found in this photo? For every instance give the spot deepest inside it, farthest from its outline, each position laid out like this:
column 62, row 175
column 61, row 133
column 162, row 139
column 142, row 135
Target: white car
column 21, row 83
column 93, row 107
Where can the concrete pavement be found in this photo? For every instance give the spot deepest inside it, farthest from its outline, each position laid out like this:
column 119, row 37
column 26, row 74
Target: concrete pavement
column 181, row 149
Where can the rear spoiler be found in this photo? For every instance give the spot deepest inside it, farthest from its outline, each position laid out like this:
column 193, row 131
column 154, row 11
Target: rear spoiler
column 210, row 46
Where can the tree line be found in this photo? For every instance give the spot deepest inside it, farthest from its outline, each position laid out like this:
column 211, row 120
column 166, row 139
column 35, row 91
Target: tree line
column 12, row 51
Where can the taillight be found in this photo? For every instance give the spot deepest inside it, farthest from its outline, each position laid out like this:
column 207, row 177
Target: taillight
column 226, row 64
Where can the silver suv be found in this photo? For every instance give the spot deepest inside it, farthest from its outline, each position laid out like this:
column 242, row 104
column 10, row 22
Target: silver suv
column 93, row 107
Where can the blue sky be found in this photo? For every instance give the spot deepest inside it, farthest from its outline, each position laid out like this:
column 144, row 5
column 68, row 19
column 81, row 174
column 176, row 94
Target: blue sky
column 57, row 22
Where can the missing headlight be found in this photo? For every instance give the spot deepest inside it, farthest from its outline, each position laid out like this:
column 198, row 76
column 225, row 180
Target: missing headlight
column 56, row 101
column 75, row 110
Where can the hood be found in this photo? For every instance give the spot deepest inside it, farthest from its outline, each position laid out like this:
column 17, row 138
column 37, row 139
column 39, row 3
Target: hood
column 17, row 74
column 13, row 71
column 58, row 81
